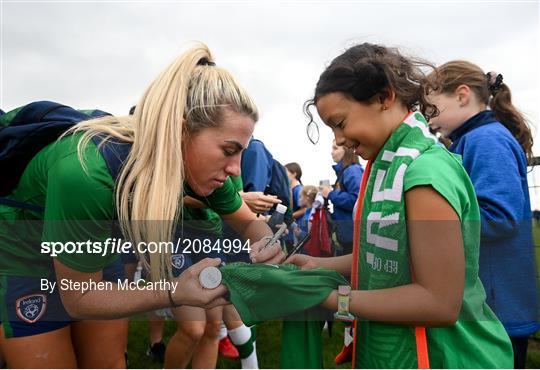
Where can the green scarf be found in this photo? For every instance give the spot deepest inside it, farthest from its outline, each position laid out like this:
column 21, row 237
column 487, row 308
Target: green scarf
column 383, row 210
column 383, row 261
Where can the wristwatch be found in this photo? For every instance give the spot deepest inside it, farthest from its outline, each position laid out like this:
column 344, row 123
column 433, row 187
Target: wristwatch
column 343, row 314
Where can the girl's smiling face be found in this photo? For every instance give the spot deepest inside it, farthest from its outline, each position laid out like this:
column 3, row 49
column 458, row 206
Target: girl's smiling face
column 363, row 127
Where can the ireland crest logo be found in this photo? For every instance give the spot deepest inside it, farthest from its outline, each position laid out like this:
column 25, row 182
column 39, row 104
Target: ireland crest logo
column 31, row 307
column 178, row 260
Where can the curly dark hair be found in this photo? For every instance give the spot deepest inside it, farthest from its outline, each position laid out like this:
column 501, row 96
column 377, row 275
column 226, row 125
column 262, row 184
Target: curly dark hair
column 366, row 70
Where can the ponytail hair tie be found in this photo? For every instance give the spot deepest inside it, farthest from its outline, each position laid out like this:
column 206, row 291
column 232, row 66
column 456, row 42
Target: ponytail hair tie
column 494, row 81
column 205, row 62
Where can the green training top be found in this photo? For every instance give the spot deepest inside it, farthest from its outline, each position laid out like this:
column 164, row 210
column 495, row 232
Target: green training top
column 79, row 206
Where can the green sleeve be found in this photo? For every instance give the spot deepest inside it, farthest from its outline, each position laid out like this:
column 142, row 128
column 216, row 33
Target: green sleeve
column 79, row 207
column 444, row 172
column 224, row 200
column 237, row 182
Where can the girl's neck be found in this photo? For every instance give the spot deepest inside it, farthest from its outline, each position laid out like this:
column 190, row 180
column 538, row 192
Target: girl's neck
column 473, row 111
column 395, row 117
column 294, row 183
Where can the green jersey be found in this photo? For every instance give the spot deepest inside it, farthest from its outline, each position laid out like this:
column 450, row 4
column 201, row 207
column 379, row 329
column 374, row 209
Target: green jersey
column 79, row 206
column 263, row 292
column 411, row 158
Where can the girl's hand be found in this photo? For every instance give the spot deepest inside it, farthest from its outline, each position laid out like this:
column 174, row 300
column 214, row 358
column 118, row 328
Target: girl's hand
column 189, row 291
column 303, row 261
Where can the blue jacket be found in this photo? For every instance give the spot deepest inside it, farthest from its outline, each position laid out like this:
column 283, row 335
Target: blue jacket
column 497, row 166
column 256, row 166
column 256, row 172
column 343, row 197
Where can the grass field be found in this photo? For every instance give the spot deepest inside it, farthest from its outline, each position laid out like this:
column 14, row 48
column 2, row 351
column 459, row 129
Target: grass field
column 268, row 347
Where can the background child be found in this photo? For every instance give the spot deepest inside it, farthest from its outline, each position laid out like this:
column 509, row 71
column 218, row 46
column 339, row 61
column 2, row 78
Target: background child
column 344, row 193
column 495, row 144
column 307, row 197
column 294, row 172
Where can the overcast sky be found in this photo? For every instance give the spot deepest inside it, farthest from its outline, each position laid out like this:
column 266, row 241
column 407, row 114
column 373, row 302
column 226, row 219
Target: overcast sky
column 104, row 54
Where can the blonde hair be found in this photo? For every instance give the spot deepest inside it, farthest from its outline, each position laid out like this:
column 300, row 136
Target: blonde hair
column 188, row 96
column 310, row 192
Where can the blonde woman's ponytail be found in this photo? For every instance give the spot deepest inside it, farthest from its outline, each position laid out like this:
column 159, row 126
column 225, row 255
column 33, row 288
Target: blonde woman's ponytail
column 188, row 96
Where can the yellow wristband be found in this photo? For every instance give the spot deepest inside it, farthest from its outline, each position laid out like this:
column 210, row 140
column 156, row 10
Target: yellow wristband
column 343, row 314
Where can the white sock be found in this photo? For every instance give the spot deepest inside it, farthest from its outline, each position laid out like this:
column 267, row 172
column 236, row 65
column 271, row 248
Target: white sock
column 251, row 362
column 241, row 337
column 222, row 331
